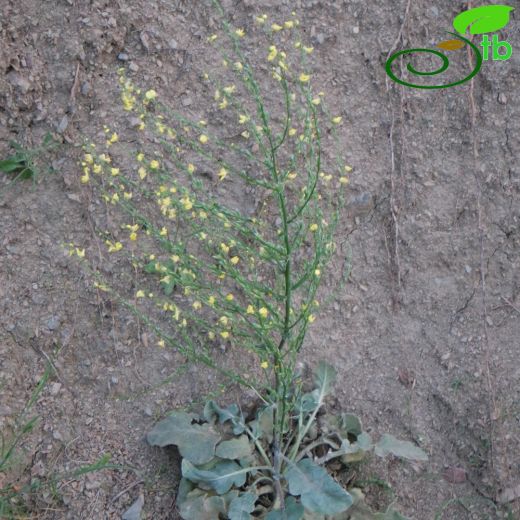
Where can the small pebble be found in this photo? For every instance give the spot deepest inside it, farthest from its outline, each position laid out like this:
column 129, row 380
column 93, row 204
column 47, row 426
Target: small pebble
column 122, row 56
column 133, row 67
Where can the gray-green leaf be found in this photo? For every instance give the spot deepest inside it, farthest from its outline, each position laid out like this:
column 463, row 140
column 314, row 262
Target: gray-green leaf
column 404, row 449
column 293, row 511
column 221, row 476
column 325, row 377
column 484, row 19
column 202, row 507
column 318, row 490
column 234, row 448
column 196, row 442
column 241, row 507
column 232, row 413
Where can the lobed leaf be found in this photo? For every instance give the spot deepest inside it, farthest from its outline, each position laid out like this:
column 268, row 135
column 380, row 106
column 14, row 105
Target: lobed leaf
column 221, row 476
column 234, row 448
column 319, row 492
column 404, row 449
column 293, row 511
column 196, row 442
column 241, row 507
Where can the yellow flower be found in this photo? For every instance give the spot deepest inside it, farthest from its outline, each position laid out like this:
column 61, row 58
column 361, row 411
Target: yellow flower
column 250, row 309
column 311, row 318
column 186, row 203
column 139, row 294
column 113, row 246
column 275, row 27
column 154, row 165
column 292, row 131
column 114, row 171
column 337, row 120
column 88, row 158
column 140, row 157
column 127, row 195
column 240, row 32
column 317, row 272
column 225, row 334
column 197, row 305
column 308, row 50
column 222, row 174
column 291, row 176
column 85, row 177
column 211, row 335
column 264, row 364
column 224, row 247
column 212, row 38
column 261, row 19
column 224, row 320
column 238, row 66
column 113, row 138
column 263, row 312
column 230, row 297
column 203, row 215
column 191, row 168
column 203, row 138
column 243, row 119
column 272, row 53
column 344, row 180
column 133, row 236
column 348, row 169
column 223, row 104
column 150, row 95
column 97, row 168
column 161, row 343
column 230, row 89
column 80, row 252
column 289, row 24
column 316, row 101
column 142, row 173
column 304, row 78
column 163, row 232
column 313, row 227
column 235, row 260
column 211, row 300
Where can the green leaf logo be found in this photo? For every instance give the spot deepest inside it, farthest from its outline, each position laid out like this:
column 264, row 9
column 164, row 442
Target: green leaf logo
column 481, row 20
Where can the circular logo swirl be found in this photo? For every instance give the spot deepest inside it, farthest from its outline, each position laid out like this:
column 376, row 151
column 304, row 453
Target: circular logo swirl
column 440, row 70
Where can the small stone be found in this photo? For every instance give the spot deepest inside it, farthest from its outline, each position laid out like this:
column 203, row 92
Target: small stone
column 53, row 323
column 186, row 101
column 355, row 29
column 19, row 82
column 148, row 411
column 134, row 122
column 55, row 388
column 85, row 88
column 64, row 123
column 320, row 38
column 123, row 56
column 502, row 98
column 133, row 67
column 114, row 380
column 173, row 44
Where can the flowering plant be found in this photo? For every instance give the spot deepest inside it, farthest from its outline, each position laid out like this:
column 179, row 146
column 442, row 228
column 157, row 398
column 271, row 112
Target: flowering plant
column 235, row 235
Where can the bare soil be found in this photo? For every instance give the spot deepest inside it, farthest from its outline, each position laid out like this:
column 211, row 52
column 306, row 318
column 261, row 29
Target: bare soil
column 425, row 336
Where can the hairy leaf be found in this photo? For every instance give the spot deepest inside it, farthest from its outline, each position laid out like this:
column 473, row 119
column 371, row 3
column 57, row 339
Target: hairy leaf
column 484, row 19
column 196, row 442
column 293, row 511
column 318, row 490
column 221, row 476
column 404, row 449
column 263, row 426
column 241, row 507
column 232, row 413
column 234, row 448
column 202, row 507
column 325, row 377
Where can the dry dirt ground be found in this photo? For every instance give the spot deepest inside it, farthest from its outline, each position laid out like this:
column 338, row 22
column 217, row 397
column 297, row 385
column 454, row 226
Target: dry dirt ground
column 425, row 336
